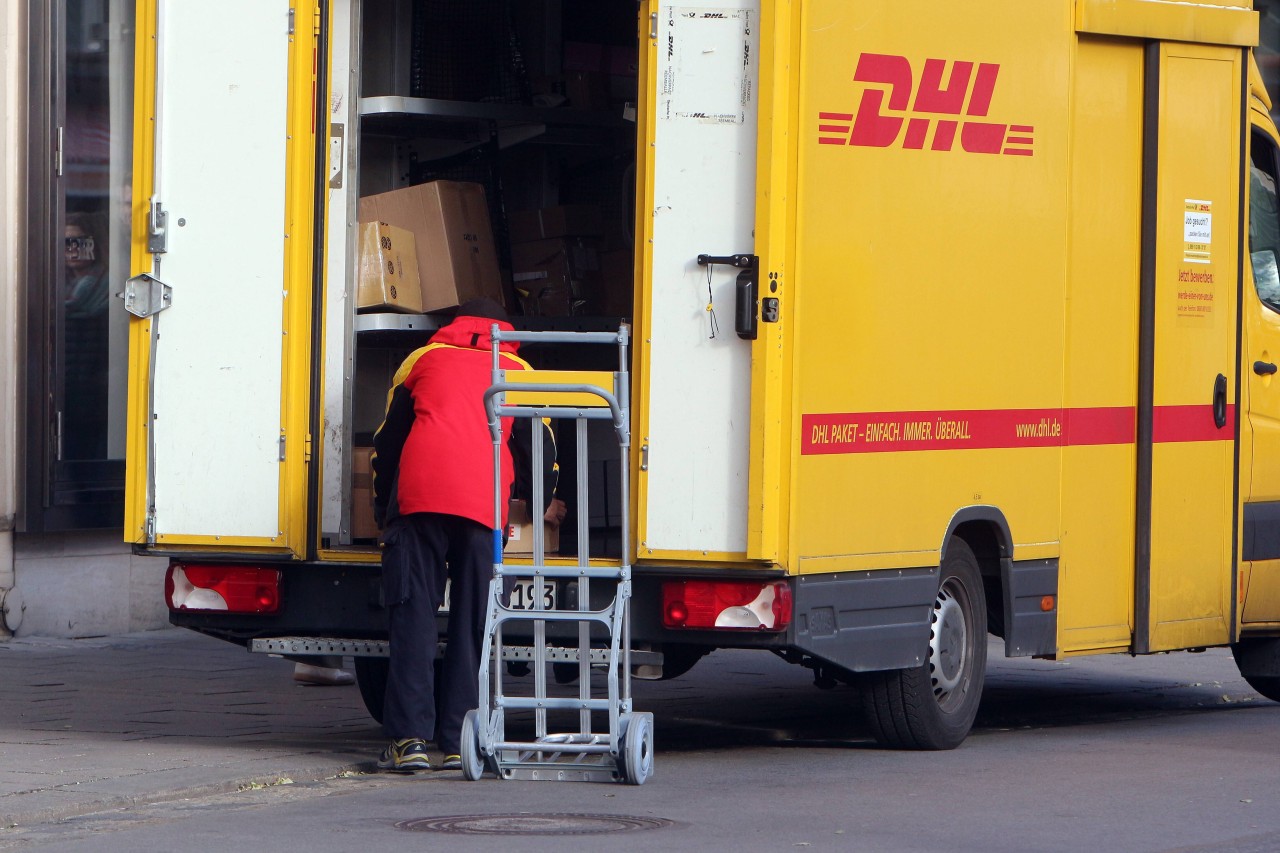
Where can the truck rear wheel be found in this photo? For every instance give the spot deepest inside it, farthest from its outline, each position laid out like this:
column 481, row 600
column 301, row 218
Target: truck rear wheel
column 932, row 706
column 1267, row 685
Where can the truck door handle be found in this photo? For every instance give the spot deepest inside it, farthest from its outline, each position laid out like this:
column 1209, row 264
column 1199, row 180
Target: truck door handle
column 1264, row 368
column 746, row 291
column 1220, row 401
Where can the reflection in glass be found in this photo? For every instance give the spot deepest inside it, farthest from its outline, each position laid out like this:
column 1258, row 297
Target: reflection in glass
column 95, row 209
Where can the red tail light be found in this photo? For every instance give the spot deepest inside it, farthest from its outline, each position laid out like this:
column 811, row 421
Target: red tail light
column 726, row 605
column 235, row 589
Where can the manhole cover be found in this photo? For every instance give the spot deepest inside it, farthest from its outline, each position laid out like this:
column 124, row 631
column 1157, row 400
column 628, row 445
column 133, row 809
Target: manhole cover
column 533, row 824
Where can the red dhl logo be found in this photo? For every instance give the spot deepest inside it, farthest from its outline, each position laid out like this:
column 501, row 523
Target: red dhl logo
column 876, row 127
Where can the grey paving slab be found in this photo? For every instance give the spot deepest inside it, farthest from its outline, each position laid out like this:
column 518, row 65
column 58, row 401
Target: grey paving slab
column 88, row 725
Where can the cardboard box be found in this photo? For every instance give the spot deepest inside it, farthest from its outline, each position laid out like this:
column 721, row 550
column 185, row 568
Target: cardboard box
column 520, row 532
column 566, row 220
column 362, row 524
column 388, row 278
column 457, row 259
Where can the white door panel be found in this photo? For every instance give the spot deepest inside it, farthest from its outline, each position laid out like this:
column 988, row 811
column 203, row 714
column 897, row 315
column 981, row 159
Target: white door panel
column 698, row 428
column 220, row 174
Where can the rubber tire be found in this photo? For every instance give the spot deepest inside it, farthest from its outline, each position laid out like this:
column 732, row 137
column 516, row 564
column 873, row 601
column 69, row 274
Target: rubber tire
column 469, row 747
column 1267, row 685
column 901, row 706
column 636, row 754
column 371, row 677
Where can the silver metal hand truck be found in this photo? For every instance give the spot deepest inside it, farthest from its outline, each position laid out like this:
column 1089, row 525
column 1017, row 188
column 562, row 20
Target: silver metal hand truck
column 624, row 752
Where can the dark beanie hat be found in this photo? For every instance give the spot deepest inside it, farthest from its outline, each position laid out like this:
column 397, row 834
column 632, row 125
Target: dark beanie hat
column 483, row 307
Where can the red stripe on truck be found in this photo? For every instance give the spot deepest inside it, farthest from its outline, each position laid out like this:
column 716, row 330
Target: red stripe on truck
column 986, row 429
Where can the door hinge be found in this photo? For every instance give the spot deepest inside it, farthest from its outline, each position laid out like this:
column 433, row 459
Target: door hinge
column 57, row 436
column 337, row 150
column 57, row 154
column 291, row 17
column 306, row 449
column 644, row 457
column 145, row 295
column 282, row 447
column 150, row 530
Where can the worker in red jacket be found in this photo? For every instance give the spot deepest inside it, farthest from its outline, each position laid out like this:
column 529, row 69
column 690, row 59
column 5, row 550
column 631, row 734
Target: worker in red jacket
column 433, row 485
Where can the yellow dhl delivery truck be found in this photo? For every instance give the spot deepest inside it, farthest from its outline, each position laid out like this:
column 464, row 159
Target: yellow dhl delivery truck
column 983, row 339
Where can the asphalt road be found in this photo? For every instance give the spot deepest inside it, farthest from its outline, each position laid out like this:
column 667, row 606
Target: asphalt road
column 1165, row 753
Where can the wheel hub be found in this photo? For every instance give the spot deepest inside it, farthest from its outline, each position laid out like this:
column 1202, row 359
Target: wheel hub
column 948, row 642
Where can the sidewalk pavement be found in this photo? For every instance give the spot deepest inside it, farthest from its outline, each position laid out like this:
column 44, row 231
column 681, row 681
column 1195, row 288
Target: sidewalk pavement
column 90, row 725
column 93, row 725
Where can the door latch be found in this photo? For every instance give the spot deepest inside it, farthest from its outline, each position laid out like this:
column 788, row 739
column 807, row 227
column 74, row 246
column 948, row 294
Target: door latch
column 157, row 228
column 747, row 290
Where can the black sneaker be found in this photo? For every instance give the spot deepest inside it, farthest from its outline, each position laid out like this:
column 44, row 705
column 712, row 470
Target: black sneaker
column 405, row 756
column 453, row 761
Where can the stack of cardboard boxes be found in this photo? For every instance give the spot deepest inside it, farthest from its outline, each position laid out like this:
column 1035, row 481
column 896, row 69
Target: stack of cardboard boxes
column 443, row 226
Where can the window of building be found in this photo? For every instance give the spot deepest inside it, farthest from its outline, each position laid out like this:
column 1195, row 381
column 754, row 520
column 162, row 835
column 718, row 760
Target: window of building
column 80, row 203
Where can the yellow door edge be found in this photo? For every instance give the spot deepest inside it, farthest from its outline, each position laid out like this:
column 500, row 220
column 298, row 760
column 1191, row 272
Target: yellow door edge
column 137, row 406
column 306, row 117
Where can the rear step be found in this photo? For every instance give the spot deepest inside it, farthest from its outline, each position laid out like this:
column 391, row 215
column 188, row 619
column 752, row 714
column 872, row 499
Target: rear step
column 324, row 646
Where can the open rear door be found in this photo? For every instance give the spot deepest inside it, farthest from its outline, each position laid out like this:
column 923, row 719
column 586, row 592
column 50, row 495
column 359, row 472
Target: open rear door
column 211, row 428
column 700, row 112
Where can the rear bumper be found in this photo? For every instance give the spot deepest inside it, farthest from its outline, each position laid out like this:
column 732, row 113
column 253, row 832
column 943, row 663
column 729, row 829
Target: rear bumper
column 861, row 621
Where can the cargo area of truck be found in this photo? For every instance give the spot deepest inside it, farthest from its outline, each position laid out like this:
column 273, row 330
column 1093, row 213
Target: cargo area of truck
column 531, row 107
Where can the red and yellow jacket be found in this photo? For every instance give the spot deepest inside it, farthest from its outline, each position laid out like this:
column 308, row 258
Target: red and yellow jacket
column 433, row 452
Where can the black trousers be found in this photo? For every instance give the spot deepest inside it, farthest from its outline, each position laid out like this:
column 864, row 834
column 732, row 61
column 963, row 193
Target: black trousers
column 421, row 551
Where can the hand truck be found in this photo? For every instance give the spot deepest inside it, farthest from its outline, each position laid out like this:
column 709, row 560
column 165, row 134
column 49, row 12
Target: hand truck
column 625, row 752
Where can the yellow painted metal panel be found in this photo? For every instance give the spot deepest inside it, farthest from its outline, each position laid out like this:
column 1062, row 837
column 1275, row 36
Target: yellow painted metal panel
column 300, row 234
column 597, row 378
column 1260, row 429
column 646, row 132
column 868, row 562
column 929, row 200
column 768, row 479
column 1095, row 581
column 1227, row 22
column 1197, row 210
column 1037, row 551
column 1262, row 600
column 138, row 403
column 222, row 544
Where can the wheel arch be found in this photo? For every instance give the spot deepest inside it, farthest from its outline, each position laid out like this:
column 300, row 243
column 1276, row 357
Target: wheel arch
column 1015, row 592
column 986, row 531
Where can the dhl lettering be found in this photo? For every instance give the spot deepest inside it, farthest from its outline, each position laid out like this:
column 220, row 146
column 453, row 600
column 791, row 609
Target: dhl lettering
column 967, row 90
column 834, row 434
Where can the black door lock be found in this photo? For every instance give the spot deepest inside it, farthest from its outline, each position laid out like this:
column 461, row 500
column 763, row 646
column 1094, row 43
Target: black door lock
column 747, row 290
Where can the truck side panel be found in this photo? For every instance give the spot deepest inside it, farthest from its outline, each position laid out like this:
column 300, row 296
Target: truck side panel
column 1197, row 239
column 930, row 278
column 1099, row 480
